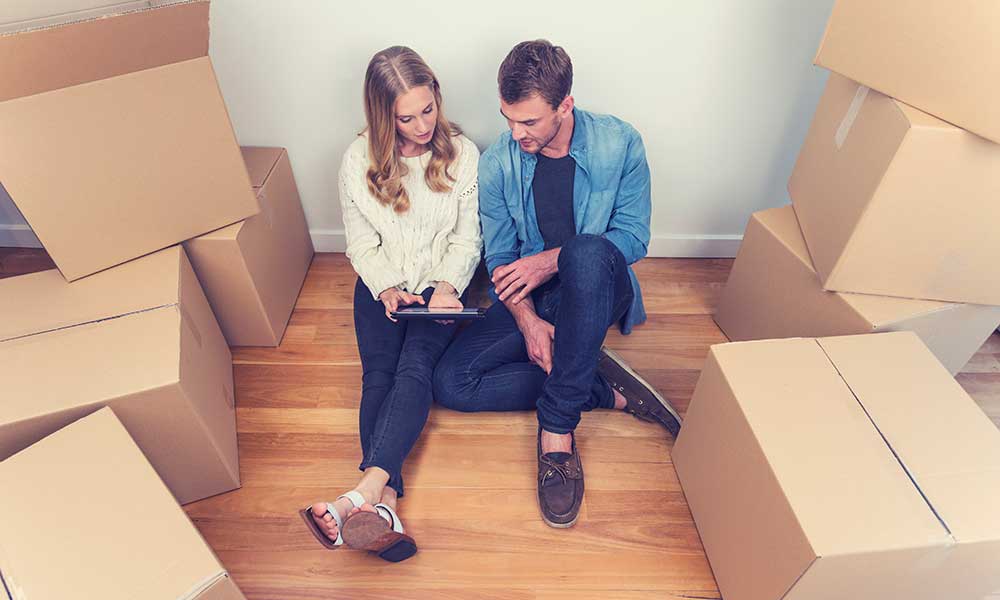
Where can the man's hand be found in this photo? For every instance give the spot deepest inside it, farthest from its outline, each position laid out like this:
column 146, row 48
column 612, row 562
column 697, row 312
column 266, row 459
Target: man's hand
column 539, row 338
column 445, row 296
column 518, row 279
column 394, row 298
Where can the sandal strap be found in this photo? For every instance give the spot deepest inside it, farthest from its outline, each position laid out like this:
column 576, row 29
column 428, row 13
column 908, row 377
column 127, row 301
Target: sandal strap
column 390, row 515
column 340, row 524
column 355, row 497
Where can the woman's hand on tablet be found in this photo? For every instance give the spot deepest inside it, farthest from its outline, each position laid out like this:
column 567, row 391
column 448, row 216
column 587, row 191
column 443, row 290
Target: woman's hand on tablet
column 394, row 298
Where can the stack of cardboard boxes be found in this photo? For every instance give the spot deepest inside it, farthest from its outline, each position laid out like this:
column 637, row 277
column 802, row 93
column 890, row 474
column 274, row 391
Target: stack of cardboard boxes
column 891, row 207
column 856, row 467
column 116, row 146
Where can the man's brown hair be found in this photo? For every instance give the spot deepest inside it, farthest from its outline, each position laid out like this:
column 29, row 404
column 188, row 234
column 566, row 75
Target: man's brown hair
column 536, row 67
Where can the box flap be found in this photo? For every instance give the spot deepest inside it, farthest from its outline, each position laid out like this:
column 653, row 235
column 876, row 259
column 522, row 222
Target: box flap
column 129, row 538
column 94, row 362
column 260, row 161
column 881, row 311
column 50, row 55
column 44, row 301
column 919, row 118
column 942, row 439
column 843, row 483
column 108, row 171
column 877, row 310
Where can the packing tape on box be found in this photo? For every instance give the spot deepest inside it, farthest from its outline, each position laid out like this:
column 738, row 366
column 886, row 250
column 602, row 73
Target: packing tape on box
column 852, row 113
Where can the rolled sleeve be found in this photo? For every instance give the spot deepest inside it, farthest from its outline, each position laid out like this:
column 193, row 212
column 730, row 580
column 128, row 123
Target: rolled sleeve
column 628, row 228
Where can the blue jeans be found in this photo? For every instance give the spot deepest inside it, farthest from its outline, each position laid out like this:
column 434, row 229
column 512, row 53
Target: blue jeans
column 397, row 361
column 487, row 366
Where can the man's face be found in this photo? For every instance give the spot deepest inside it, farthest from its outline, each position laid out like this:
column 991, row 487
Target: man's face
column 533, row 122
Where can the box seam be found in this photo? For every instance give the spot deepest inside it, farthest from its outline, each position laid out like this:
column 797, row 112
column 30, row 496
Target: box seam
column 888, row 445
column 90, row 322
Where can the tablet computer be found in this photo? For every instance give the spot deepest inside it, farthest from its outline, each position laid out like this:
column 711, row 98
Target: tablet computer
column 442, row 314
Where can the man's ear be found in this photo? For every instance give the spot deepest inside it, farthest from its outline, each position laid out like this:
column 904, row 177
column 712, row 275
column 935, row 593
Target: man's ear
column 566, row 106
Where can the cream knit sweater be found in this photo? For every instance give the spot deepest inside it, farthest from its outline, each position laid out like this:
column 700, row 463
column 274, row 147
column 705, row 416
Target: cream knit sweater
column 437, row 239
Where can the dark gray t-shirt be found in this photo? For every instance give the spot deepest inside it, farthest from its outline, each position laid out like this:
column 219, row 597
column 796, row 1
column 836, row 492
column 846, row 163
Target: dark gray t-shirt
column 552, row 188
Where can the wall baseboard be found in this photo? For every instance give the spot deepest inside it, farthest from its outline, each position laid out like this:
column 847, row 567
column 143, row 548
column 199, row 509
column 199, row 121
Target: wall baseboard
column 670, row 245
column 333, row 240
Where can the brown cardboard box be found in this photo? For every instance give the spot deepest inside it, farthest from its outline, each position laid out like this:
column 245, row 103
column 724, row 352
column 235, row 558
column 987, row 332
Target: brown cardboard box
column 83, row 516
column 848, row 467
column 139, row 338
column 252, row 271
column 115, row 139
column 773, row 292
column 895, row 202
column 938, row 56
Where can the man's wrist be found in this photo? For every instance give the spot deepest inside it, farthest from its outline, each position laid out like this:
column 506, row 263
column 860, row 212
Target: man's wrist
column 554, row 260
column 524, row 315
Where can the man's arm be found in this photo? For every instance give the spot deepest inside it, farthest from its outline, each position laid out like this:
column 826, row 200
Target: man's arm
column 516, row 280
column 629, row 225
column 538, row 333
column 499, row 232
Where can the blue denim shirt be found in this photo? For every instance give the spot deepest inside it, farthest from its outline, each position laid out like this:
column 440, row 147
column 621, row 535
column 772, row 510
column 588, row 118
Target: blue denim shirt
column 611, row 196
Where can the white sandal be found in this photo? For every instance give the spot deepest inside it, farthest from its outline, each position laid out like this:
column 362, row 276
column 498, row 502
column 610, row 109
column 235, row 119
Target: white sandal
column 380, row 532
column 307, row 515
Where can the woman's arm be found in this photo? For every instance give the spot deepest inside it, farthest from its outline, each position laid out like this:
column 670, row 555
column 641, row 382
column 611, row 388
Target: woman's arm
column 364, row 244
column 465, row 242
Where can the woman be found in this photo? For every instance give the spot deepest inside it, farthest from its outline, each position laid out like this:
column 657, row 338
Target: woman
column 411, row 217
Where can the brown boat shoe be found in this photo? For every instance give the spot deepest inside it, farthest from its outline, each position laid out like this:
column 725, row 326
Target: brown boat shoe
column 642, row 399
column 560, row 485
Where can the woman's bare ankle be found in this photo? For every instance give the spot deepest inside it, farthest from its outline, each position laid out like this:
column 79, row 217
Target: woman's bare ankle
column 389, row 497
column 373, row 484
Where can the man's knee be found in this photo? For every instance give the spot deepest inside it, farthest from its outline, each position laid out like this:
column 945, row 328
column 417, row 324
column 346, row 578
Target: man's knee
column 583, row 254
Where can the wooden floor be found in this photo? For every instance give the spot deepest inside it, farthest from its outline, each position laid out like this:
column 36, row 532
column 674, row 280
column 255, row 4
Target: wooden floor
column 470, row 500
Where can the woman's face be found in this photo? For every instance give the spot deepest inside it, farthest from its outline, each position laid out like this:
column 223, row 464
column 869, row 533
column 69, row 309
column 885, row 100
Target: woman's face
column 416, row 115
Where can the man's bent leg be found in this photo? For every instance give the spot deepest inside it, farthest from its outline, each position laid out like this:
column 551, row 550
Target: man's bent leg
column 594, row 292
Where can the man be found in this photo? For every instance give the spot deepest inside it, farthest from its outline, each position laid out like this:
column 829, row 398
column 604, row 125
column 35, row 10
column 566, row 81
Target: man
column 565, row 204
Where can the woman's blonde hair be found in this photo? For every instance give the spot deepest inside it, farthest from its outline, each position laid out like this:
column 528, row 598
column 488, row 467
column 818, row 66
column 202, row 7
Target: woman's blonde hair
column 391, row 73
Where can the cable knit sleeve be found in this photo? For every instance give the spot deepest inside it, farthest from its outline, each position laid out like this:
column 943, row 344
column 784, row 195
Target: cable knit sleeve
column 364, row 244
column 465, row 241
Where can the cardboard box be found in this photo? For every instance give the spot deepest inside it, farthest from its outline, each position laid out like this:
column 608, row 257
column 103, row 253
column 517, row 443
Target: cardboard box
column 848, row 467
column 895, row 202
column 116, row 140
column 84, row 516
column 937, row 56
column 139, row 338
column 252, row 271
column 774, row 292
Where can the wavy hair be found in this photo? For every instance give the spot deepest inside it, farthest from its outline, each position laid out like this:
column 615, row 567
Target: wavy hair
column 391, row 73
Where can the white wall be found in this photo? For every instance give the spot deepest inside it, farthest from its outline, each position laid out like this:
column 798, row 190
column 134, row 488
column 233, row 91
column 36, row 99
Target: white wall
column 722, row 90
